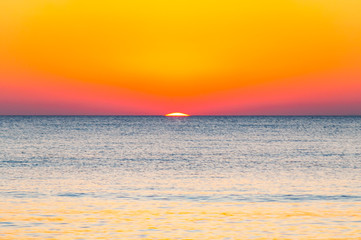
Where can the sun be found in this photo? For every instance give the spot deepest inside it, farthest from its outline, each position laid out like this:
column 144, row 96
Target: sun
column 177, row 114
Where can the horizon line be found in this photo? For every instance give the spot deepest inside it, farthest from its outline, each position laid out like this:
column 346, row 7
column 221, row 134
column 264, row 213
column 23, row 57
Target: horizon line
column 195, row 115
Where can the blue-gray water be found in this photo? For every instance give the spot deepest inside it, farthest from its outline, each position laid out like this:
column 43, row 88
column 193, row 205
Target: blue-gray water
column 149, row 163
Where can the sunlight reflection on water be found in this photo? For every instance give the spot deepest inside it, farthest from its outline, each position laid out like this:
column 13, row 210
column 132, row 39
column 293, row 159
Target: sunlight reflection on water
column 193, row 178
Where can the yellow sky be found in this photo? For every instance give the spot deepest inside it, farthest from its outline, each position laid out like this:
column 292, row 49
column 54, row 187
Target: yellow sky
column 178, row 49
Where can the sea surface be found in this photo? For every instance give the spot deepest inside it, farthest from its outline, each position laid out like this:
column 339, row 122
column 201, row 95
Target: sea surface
column 199, row 177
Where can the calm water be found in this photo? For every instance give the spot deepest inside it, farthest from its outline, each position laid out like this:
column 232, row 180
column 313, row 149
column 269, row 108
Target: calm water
column 180, row 178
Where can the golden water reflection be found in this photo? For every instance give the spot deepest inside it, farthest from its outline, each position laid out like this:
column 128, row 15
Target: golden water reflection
column 69, row 218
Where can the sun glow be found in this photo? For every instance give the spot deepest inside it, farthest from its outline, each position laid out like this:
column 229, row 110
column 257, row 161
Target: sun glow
column 177, row 114
column 205, row 57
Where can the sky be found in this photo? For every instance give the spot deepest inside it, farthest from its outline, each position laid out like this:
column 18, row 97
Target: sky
column 201, row 57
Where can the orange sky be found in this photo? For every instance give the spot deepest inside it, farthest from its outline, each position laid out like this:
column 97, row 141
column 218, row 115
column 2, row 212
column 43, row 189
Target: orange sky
column 193, row 56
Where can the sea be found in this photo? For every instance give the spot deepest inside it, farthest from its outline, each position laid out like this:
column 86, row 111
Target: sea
column 198, row 177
